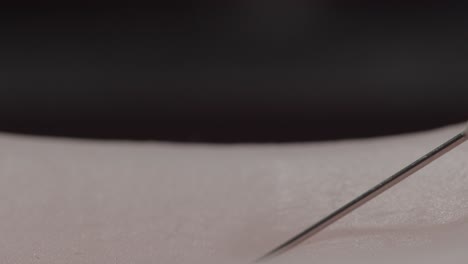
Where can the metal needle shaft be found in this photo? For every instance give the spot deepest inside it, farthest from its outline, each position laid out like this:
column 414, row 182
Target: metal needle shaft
column 367, row 196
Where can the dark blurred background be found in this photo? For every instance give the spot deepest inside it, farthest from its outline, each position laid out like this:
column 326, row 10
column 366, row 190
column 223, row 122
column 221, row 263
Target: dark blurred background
column 235, row 71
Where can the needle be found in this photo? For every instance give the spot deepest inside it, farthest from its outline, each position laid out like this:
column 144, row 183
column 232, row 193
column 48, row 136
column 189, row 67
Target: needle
column 367, row 196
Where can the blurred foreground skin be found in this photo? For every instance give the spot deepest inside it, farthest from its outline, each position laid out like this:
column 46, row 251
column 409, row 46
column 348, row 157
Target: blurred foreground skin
column 73, row 201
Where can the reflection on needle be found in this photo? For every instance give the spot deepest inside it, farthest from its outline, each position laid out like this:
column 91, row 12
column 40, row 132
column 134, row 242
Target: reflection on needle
column 367, row 196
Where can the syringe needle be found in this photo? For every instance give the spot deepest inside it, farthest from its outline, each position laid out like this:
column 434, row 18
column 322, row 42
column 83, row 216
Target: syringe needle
column 367, row 196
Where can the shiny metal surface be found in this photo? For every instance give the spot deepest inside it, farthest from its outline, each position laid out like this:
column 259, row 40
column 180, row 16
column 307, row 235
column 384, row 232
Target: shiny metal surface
column 367, row 196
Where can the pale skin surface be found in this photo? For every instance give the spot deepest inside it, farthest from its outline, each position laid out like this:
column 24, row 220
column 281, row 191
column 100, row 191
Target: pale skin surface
column 76, row 201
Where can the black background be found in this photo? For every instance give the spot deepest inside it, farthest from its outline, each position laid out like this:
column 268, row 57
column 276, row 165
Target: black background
column 241, row 71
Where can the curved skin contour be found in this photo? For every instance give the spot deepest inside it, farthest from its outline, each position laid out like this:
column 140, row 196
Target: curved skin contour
column 80, row 201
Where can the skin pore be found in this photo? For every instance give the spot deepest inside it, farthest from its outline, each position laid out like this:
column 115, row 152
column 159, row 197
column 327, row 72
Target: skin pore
column 83, row 201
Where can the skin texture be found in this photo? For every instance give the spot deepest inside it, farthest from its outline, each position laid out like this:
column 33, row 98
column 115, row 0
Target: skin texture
column 78, row 201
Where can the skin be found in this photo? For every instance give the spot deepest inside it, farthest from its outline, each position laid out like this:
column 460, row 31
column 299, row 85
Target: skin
column 78, row 201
